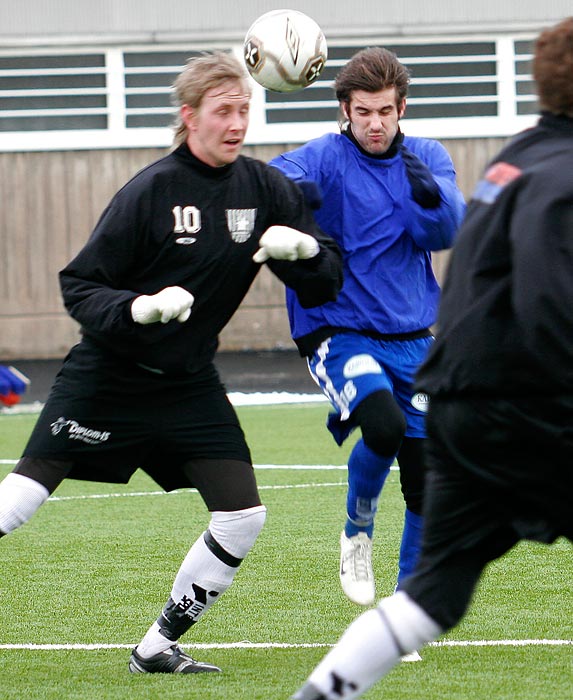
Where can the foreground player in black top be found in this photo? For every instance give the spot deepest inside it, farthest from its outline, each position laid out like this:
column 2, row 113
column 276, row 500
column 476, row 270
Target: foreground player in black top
column 500, row 380
column 167, row 265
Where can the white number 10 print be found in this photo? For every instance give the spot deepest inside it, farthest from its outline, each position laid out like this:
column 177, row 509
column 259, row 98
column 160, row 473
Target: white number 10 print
column 187, row 219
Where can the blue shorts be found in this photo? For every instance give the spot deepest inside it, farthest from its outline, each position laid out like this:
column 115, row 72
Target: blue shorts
column 348, row 367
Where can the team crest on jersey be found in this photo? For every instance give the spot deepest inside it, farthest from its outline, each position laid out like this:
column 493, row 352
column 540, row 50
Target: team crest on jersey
column 241, row 223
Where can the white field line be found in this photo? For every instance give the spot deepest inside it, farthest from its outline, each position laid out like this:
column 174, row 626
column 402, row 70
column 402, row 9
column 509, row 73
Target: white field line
column 131, row 494
column 279, row 487
column 304, row 467
column 302, row 645
column 237, row 398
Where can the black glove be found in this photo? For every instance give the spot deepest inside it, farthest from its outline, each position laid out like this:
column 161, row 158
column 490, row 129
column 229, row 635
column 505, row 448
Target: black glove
column 425, row 191
column 311, row 192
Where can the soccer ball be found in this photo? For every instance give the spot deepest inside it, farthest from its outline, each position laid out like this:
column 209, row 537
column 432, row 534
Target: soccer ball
column 285, row 50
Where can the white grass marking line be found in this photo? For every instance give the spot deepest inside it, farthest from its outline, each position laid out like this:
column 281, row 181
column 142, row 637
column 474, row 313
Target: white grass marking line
column 237, row 398
column 131, row 494
column 310, row 467
column 279, row 487
column 303, row 467
column 284, row 645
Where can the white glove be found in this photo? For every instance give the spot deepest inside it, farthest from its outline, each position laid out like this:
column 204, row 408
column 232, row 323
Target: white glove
column 169, row 303
column 285, row 243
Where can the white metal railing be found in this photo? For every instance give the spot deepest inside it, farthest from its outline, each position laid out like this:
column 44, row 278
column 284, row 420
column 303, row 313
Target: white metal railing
column 134, row 99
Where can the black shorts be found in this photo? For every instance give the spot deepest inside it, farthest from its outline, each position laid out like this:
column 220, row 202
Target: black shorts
column 109, row 418
column 518, row 453
column 497, row 472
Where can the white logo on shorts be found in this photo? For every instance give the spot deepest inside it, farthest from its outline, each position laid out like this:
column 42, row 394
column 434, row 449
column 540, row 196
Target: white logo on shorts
column 79, row 432
column 420, row 401
column 361, row 364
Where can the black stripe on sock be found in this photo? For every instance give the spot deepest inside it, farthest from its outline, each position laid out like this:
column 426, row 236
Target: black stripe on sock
column 390, row 629
column 219, row 552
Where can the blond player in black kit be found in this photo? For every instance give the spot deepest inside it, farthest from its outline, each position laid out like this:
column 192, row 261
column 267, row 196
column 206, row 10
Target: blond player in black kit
column 166, row 267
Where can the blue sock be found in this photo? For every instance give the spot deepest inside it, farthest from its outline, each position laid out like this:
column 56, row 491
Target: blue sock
column 367, row 472
column 410, row 545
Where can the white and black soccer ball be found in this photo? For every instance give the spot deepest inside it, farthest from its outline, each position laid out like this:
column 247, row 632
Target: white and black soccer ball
column 285, row 50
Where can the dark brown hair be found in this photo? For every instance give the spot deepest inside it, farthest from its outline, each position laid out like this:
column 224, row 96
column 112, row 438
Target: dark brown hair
column 372, row 69
column 553, row 68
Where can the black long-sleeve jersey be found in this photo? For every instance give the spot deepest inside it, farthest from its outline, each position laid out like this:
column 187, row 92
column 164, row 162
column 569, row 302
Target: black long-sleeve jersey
column 505, row 325
column 179, row 222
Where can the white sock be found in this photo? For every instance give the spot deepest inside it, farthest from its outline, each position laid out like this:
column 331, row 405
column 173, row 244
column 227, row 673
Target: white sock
column 200, row 568
column 20, row 498
column 371, row 646
column 153, row 642
column 411, row 624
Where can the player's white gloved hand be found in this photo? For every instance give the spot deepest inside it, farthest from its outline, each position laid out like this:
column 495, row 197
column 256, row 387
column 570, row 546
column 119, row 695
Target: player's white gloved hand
column 285, row 243
column 169, row 303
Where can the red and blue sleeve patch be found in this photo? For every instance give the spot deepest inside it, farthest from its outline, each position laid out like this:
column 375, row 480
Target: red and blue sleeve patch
column 498, row 176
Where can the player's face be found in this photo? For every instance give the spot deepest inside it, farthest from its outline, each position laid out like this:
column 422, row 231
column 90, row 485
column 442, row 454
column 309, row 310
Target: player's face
column 374, row 118
column 216, row 130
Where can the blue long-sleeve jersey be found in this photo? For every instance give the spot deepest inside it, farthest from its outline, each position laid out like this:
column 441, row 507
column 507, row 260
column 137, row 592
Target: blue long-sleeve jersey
column 386, row 237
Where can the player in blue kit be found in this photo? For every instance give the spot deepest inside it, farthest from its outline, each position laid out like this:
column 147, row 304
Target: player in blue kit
column 388, row 200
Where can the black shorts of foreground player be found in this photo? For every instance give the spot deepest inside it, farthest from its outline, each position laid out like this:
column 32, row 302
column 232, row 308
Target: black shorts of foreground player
column 167, row 265
column 500, row 379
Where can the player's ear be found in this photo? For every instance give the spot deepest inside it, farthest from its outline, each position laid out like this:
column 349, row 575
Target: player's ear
column 401, row 108
column 188, row 116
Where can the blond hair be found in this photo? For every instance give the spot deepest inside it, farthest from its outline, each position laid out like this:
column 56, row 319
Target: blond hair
column 201, row 73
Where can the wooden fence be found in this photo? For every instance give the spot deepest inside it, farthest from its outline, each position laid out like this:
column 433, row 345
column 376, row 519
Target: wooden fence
column 52, row 200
